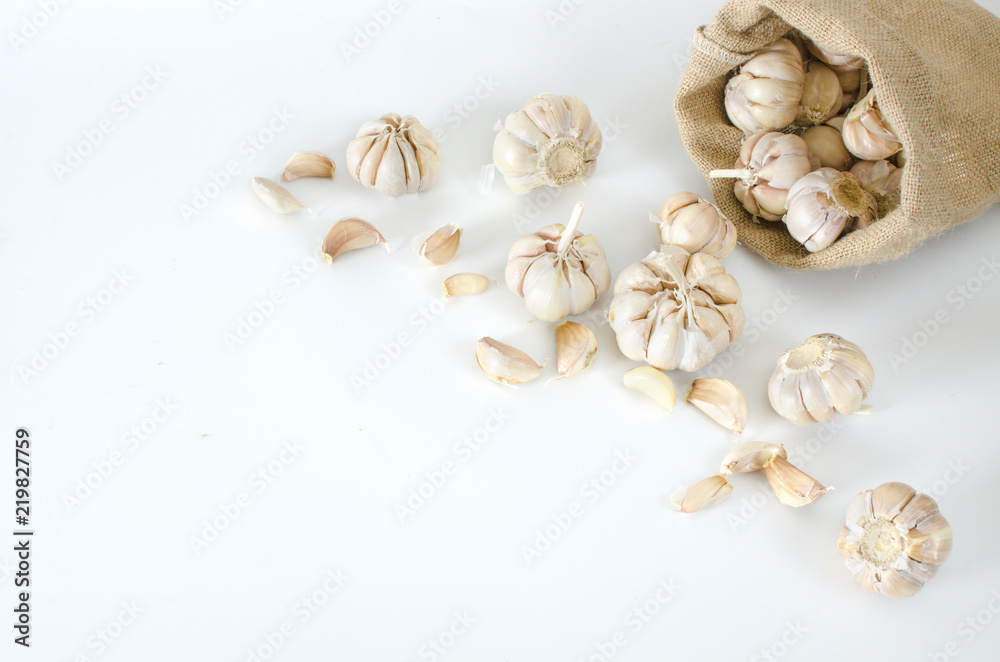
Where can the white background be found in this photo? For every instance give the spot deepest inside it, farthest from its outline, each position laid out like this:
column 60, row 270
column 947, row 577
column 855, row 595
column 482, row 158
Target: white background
column 751, row 576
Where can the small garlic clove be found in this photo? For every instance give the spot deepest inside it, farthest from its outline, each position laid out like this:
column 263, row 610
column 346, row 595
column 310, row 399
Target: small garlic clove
column 751, row 457
column 350, row 234
column 703, row 494
column 440, row 247
column 276, row 197
column 654, row 383
column 308, row 164
column 791, row 485
column 465, row 284
column 576, row 346
column 505, row 364
column 722, row 400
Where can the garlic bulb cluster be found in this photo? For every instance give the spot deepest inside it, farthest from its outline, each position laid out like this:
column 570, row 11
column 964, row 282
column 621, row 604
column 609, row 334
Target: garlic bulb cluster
column 894, row 540
column 867, row 134
column 552, row 141
column 765, row 94
column 676, row 310
column 824, row 204
column 882, row 181
column 696, row 225
column 394, row 155
column 558, row 270
column 822, row 95
column 823, row 376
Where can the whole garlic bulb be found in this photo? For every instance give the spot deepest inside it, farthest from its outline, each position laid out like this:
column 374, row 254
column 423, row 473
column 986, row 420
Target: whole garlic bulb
column 882, row 180
column 827, row 145
column 676, row 310
column 823, row 376
column 552, row 141
column 822, row 95
column 767, row 91
column 695, row 225
column 836, row 61
column 558, row 270
column 824, row 204
column 895, row 539
column 394, row 155
column 867, row 134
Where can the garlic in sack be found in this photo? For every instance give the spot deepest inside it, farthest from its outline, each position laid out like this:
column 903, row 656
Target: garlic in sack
column 867, row 134
column 850, row 85
column 836, row 61
column 676, row 310
column 895, row 539
column 769, row 163
column 823, row 376
column 552, row 141
column 827, row 145
column 558, row 270
column 765, row 94
column 394, row 155
column 695, row 225
column 822, row 95
column 824, row 204
column 882, row 180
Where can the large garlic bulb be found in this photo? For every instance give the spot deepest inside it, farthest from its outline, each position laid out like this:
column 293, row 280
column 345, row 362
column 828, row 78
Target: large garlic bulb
column 558, row 270
column 882, row 180
column 822, row 95
column 695, row 225
column 823, row 376
column 867, row 134
column 895, row 539
column 826, row 203
column 552, row 141
column 394, row 155
column 767, row 91
column 676, row 310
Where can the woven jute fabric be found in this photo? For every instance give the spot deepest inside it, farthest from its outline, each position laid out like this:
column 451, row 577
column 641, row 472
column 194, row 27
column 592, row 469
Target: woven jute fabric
column 935, row 68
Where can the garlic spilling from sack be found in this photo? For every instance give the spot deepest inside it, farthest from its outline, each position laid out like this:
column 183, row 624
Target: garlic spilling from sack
column 827, row 145
column 552, row 141
column 505, row 364
column 895, row 539
column 721, row 400
column 791, row 485
column 823, row 376
column 576, row 346
column 824, row 204
column 822, row 95
column 558, row 270
column 836, row 61
column 768, row 165
column 676, row 310
column 703, row 494
column 765, row 94
column 394, row 155
column 867, row 134
column 695, row 225
column 882, row 180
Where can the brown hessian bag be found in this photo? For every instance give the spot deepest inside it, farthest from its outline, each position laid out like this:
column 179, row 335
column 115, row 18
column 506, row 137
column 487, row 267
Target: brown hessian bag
column 935, row 68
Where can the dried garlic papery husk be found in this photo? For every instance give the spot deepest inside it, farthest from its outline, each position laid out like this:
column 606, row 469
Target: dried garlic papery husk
column 654, row 383
column 825, row 203
column 465, row 284
column 750, row 457
column 895, row 540
column 440, row 247
column 576, row 346
column 552, row 141
column 769, row 163
column 822, row 95
column 394, row 155
column 505, row 364
column 308, row 164
column 350, row 234
column 836, row 61
column 696, row 225
column 558, row 270
column 827, row 145
column 676, row 310
column 703, row 494
column 791, row 485
column 765, row 94
column 276, row 197
column 823, row 376
column 882, row 180
column 867, row 134
column 721, row 400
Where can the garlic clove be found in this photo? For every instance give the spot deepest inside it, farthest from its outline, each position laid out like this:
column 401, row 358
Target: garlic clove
column 308, row 164
column 576, row 346
column 276, row 197
column 867, row 134
column 654, row 383
column 465, row 284
column 441, row 246
column 703, row 494
column 751, row 457
column 695, row 225
column 791, row 485
column 350, row 234
column 889, row 499
column 765, row 94
column 505, row 364
column 721, row 400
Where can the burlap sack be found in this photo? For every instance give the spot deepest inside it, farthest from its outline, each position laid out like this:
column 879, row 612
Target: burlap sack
column 935, row 67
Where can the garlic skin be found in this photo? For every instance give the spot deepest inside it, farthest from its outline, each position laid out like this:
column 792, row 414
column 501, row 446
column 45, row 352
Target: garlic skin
column 894, row 540
column 767, row 91
column 827, row 145
column 703, row 494
column 721, row 400
column 576, row 346
column 867, row 134
column 823, row 376
column 505, row 364
column 552, row 141
column 394, row 155
column 882, row 180
column 825, row 203
column 675, row 310
column 350, row 234
column 557, row 270
column 836, row 61
column 822, row 95
column 276, row 197
column 696, row 225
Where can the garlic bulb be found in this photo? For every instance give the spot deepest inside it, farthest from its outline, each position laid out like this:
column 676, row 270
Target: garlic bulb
column 696, row 225
column 676, row 310
column 825, row 203
column 767, row 91
column 867, row 134
column 827, row 145
column 558, row 270
column 822, row 95
column 882, row 180
column 823, row 376
column 768, row 165
column 394, row 155
column 550, row 142
column 895, row 539
column 836, row 61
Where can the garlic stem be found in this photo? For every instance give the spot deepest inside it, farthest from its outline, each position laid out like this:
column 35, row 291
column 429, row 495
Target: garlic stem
column 570, row 232
column 744, row 173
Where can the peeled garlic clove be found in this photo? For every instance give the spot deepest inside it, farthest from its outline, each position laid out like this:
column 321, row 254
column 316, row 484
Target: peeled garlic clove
column 576, row 346
column 441, row 246
column 276, row 197
column 827, row 145
column 394, row 155
column 654, row 383
column 791, row 485
column 696, row 225
column 867, row 134
column 822, row 204
column 882, row 180
column 751, row 457
column 837, row 61
column 465, row 284
column 350, row 234
column 767, row 91
column 703, row 494
column 822, row 95
column 308, row 164
column 722, row 400
column 505, row 364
